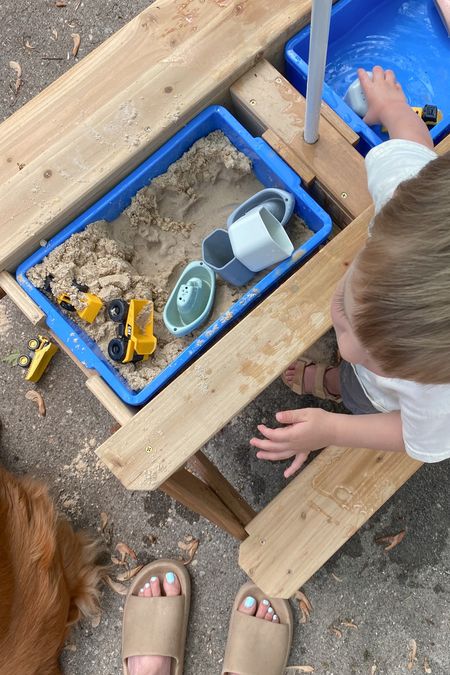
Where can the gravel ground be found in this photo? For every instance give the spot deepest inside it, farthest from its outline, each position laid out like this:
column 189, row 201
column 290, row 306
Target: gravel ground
column 391, row 598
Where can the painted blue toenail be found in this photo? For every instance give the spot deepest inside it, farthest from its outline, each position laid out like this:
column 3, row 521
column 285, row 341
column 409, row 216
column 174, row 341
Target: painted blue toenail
column 146, row 585
column 266, row 603
column 170, row 578
column 270, row 610
column 154, row 579
column 249, row 602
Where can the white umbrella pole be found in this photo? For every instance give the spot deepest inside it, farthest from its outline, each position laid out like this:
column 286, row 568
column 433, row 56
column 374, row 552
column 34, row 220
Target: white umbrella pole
column 318, row 45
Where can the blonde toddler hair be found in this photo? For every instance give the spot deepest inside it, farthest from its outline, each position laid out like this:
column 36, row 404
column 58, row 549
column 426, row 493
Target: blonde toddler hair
column 401, row 280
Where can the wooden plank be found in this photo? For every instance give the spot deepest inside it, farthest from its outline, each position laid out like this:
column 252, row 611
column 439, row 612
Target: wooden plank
column 296, row 163
column 206, row 499
column 199, row 497
column 443, row 146
column 21, row 299
column 233, row 371
column 88, row 129
column 338, row 123
column 317, row 513
column 209, row 473
column 266, row 100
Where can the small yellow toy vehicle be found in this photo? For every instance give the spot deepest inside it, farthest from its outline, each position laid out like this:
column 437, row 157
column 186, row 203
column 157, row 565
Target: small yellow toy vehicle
column 41, row 353
column 88, row 313
column 135, row 340
column 92, row 303
column 430, row 114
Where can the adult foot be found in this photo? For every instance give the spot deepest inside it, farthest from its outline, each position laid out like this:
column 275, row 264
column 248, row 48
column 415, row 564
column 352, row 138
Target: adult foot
column 331, row 379
column 154, row 665
column 260, row 610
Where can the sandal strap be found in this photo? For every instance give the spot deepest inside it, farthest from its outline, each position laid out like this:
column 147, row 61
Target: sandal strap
column 256, row 647
column 154, row 626
column 320, row 389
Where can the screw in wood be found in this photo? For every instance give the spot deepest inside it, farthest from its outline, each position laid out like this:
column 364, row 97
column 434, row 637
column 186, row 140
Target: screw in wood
column 149, row 449
column 344, row 195
column 252, row 101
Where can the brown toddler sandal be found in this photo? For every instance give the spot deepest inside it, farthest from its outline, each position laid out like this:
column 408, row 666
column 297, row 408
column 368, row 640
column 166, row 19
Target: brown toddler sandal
column 319, row 388
column 157, row 626
column 255, row 646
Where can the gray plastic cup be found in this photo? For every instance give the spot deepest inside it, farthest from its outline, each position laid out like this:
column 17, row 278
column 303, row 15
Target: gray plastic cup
column 218, row 254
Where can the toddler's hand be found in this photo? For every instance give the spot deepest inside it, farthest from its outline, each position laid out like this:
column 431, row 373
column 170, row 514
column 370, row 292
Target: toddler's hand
column 307, row 429
column 382, row 93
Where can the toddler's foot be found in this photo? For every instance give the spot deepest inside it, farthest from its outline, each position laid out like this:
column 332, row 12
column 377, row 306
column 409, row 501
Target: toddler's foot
column 154, row 665
column 332, row 383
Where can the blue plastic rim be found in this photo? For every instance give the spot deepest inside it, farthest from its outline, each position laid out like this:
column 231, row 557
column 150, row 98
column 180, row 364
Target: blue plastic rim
column 408, row 37
column 268, row 168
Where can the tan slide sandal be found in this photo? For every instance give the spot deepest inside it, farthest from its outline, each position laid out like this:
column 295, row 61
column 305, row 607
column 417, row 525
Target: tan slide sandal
column 157, row 626
column 319, row 389
column 256, row 646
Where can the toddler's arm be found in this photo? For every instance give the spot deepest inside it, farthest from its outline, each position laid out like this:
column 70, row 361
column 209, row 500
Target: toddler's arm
column 310, row 429
column 388, row 106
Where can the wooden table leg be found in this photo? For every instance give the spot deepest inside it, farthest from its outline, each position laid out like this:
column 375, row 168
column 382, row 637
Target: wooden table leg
column 199, row 497
column 211, row 475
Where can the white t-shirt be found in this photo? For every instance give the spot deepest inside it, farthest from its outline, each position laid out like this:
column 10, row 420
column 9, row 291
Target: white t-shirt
column 424, row 408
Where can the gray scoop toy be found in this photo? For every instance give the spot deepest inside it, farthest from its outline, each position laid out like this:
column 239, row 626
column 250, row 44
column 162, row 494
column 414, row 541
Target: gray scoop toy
column 279, row 202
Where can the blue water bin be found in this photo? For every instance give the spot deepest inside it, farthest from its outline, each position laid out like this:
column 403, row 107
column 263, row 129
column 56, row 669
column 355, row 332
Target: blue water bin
column 408, row 37
column 268, row 168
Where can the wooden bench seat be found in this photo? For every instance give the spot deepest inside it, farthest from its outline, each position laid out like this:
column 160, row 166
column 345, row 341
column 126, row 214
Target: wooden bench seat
column 317, row 513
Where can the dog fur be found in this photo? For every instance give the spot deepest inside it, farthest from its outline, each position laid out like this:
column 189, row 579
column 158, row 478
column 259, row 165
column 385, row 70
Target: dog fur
column 49, row 578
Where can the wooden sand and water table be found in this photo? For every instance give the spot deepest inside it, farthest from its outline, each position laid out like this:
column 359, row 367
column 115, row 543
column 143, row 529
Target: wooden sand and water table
column 171, row 61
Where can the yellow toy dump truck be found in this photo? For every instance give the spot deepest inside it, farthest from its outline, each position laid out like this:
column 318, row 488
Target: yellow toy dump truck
column 135, row 340
column 41, row 353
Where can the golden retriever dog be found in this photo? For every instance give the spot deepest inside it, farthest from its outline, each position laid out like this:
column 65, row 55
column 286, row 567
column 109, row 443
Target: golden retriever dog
column 49, row 578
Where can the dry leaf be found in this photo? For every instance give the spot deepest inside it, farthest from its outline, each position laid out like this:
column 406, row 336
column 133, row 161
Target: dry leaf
column 304, row 606
column 336, row 631
column 60, row 3
column 190, row 545
column 336, row 577
column 103, row 520
column 115, row 427
column 33, row 395
column 76, row 43
column 125, row 550
column 349, row 624
column 412, row 654
column 426, row 666
column 299, row 669
column 116, row 586
column 55, row 34
column 392, row 540
column 116, row 561
column 95, row 621
column 129, row 574
column 18, row 70
column 373, row 670
column 28, row 45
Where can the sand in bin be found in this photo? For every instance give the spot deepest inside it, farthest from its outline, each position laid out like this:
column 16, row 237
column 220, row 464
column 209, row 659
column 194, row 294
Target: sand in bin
column 142, row 253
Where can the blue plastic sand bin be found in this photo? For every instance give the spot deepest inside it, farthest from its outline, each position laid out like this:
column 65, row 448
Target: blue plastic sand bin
column 268, row 168
column 405, row 35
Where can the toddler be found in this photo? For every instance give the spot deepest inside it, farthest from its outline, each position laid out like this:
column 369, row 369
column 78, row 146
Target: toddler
column 390, row 311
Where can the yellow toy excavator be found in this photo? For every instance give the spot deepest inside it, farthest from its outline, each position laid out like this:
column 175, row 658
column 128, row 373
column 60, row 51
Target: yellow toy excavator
column 135, row 340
